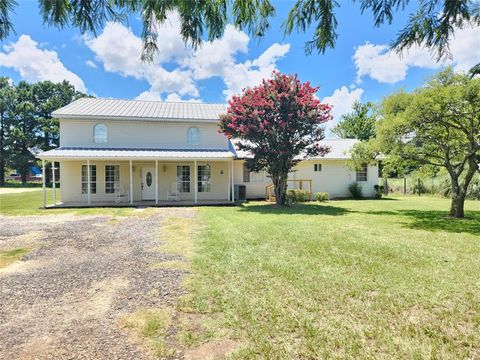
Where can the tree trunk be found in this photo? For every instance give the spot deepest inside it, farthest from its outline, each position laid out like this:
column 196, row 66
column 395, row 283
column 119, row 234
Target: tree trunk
column 280, row 185
column 457, row 206
column 2, row 168
column 459, row 191
column 2, row 150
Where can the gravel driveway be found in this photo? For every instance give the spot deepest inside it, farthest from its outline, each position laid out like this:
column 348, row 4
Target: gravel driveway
column 65, row 299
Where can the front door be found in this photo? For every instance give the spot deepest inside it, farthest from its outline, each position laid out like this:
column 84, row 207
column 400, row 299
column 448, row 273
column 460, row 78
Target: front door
column 148, row 183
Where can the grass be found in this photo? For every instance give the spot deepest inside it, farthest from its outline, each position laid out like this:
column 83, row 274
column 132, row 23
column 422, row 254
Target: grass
column 9, row 256
column 150, row 326
column 392, row 278
column 30, row 203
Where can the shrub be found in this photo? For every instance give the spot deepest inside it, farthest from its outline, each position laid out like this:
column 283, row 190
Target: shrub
column 356, row 190
column 321, row 196
column 297, row 195
column 379, row 189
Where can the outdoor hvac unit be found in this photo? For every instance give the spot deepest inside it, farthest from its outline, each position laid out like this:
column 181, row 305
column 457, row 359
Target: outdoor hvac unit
column 240, row 192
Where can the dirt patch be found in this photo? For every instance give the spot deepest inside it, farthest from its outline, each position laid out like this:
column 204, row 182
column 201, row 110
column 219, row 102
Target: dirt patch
column 64, row 299
column 213, row 350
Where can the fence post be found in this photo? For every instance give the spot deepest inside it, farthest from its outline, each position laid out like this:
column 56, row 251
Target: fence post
column 404, row 185
column 418, row 182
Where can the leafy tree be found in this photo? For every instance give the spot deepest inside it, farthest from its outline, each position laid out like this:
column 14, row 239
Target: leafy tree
column 432, row 23
column 436, row 126
column 7, row 92
column 47, row 97
column 26, row 123
column 24, row 131
column 359, row 124
column 277, row 122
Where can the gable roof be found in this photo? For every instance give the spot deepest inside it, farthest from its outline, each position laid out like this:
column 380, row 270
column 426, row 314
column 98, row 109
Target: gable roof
column 90, row 108
column 339, row 149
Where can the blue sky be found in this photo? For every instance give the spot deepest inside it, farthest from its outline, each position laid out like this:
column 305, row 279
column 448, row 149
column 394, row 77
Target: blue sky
column 359, row 68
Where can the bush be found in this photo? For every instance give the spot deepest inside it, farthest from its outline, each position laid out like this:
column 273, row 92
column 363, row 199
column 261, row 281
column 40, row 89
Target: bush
column 297, row 195
column 356, row 190
column 379, row 190
column 321, row 196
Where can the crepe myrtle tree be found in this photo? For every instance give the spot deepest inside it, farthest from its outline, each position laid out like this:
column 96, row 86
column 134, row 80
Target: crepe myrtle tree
column 278, row 122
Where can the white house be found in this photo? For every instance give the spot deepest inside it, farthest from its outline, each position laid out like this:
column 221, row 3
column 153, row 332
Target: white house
column 149, row 152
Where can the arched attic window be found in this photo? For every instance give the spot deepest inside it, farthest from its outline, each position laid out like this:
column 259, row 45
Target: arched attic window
column 193, row 136
column 100, row 134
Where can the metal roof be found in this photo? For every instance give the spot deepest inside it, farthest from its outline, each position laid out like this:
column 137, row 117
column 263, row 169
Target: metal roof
column 90, row 108
column 135, row 154
column 339, row 149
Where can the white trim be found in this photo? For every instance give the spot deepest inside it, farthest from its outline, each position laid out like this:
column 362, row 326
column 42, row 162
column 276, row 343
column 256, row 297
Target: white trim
column 131, row 183
column 89, row 180
column 233, row 182
column 156, row 181
column 43, row 185
column 54, row 191
column 195, row 175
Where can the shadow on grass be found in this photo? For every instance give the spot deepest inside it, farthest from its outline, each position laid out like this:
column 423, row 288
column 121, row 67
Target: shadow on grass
column 310, row 209
column 437, row 220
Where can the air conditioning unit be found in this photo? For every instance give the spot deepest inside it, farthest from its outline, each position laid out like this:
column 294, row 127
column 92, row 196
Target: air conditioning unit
column 240, row 192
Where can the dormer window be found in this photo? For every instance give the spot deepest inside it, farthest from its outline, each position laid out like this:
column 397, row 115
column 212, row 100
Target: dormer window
column 193, row 136
column 100, row 134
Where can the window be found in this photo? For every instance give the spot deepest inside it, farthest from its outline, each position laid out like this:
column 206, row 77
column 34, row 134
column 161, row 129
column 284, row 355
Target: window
column 100, row 134
column 251, row 176
column 317, row 167
column 204, row 178
column 362, row 173
column 183, row 178
column 246, row 173
column 112, row 177
column 193, row 136
column 93, row 179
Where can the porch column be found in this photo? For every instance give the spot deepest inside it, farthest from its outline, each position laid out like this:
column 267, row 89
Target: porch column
column 131, row 183
column 53, row 184
column 156, row 181
column 89, row 185
column 195, row 181
column 43, row 185
column 233, row 182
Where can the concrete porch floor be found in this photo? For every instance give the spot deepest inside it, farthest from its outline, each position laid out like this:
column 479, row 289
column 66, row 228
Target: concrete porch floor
column 142, row 204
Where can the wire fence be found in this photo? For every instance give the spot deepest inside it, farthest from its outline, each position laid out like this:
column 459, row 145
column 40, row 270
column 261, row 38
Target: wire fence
column 415, row 185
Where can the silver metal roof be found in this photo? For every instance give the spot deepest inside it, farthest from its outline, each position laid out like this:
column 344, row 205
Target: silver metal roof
column 89, row 108
column 339, row 149
column 134, row 154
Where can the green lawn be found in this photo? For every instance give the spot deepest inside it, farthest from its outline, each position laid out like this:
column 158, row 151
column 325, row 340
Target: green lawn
column 30, row 203
column 392, row 278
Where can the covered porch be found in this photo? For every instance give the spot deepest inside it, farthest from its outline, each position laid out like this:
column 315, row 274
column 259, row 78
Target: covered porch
column 139, row 178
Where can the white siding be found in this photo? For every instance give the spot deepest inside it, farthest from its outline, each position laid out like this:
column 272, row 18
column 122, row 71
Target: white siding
column 334, row 178
column 140, row 134
column 71, row 190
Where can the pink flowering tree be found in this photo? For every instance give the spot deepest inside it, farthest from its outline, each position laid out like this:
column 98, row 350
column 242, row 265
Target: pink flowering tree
column 279, row 122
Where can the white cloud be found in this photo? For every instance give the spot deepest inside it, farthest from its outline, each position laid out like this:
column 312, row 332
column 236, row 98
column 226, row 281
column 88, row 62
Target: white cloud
column 91, row 64
column 36, row 64
column 342, row 100
column 152, row 95
column 251, row 73
column 385, row 66
column 212, row 59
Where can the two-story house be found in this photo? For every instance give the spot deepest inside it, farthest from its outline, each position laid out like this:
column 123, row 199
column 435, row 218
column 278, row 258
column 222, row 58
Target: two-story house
column 150, row 152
